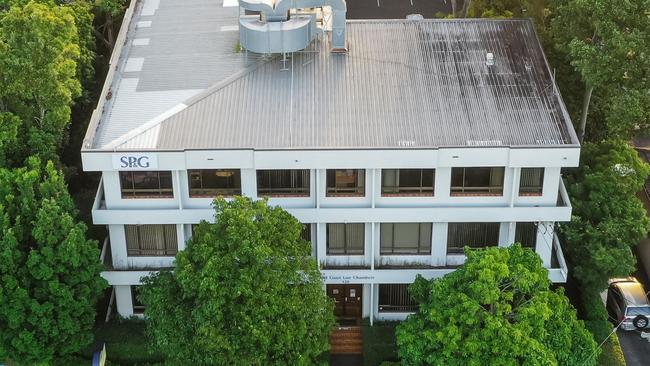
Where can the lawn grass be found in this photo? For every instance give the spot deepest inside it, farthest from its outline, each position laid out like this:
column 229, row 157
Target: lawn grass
column 379, row 344
column 612, row 354
column 126, row 344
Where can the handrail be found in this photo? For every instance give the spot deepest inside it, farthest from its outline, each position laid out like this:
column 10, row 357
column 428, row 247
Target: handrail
column 564, row 194
column 102, row 255
column 98, row 196
column 120, row 41
column 560, row 256
column 110, row 305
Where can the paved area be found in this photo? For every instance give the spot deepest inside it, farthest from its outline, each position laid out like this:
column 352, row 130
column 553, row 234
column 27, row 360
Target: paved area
column 635, row 349
column 346, row 360
column 397, row 9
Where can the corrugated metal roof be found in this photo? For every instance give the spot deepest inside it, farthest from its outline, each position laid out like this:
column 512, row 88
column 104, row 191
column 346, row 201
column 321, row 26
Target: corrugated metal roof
column 174, row 50
column 403, row 84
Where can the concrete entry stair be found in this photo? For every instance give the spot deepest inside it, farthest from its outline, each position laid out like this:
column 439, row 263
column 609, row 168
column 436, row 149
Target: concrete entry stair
column 346, row 340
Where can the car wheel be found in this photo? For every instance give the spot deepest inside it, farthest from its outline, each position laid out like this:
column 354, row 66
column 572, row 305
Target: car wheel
column 640, row 322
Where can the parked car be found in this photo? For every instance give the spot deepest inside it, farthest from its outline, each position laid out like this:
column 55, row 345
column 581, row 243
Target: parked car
column 627, row 302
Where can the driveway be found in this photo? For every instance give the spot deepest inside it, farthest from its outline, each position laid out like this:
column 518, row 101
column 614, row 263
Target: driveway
column 635, row 349
column 397, row 9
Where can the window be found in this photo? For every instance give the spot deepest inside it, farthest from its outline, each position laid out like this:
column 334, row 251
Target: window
column 138, row 307
column 283, row 183
column 407, row 238
column 345, row 239
column 526, row 234
column 471, row 234
column 395, row 298
column 156, row 184
column 151, row 240
column 346, row 182
column 214, row 182
column 477, row 181
column 407, row 182
column 531, row 181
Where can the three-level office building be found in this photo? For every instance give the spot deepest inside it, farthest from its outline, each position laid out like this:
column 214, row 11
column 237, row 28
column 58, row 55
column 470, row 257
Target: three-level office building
column 396, row 142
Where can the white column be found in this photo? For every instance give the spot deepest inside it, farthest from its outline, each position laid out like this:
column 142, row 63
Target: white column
column 372, row 303
column 551, row 185
column 180, row 235
column 317, row 183
column 368, row 245
column 373, row 252
column 124, row 301
column 112, row 190
column 321, row 248
column 180, row 182
column 373, row 174
column 118, row 246
column 443, row 182
column 504, row 234
column 514, row 186
column 439, row 244
column 544, row 245
column 512, row 227
column 249, row 183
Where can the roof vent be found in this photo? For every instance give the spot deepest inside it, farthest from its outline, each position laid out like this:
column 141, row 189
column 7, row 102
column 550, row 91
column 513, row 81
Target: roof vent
column 489, row 59
column 285, row 26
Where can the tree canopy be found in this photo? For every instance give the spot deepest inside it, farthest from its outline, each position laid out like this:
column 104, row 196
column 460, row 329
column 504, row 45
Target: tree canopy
column 608, row 219
column 608, row 43
column 497, row 309
column 39, row 50
column 49, row 271
column 245, row 291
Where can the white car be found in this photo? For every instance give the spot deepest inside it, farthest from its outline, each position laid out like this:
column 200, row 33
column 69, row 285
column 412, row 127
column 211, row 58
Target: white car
column 627, row 303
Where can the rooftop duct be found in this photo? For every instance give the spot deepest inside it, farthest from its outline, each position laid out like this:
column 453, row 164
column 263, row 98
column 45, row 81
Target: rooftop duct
column 278, row 30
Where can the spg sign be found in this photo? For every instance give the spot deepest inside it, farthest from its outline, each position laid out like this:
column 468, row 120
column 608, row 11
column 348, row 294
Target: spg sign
column 135, row 161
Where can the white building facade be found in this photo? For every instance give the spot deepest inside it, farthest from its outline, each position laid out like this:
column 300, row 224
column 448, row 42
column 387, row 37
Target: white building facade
column 378, row 212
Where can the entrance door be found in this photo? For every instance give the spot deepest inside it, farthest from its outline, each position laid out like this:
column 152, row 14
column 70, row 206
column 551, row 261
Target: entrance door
column 347, row 300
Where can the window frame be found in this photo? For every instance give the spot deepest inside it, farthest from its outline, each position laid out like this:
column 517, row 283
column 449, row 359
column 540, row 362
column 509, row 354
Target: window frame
column 290, row 192
column 170, row 245
column 412, row 307
column 396, row 251
column 346, row 244
column 213, row 192
column 136, row 193
column 138, row 306
column 519, row 234
column 532, row 190
column 404, row 191
column 468, row 191
column 359, row 190
column 453, row 250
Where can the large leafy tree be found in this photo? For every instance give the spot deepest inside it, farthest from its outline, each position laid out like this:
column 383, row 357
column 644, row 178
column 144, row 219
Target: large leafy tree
column 608, row 43
column 39, row 50
column 245, row 291
column 497, row 309
column 608, row 218
column 49, row 270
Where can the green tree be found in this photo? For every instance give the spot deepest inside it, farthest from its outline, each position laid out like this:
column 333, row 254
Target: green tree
column 245, row 291
column 49, row 271
column 503, row 9
column 38, row 75
column 607, row 42
column 497, row 309
column 110, row 9
column 608, row 218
